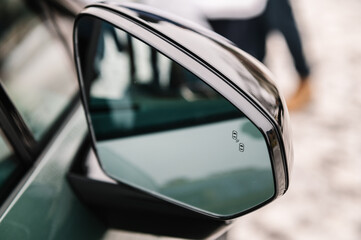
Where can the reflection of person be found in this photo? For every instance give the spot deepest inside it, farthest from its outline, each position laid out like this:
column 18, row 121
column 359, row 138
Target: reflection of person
column 247, row 23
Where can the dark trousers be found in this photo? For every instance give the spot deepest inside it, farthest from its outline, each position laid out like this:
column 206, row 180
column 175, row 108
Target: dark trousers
column 250, row 34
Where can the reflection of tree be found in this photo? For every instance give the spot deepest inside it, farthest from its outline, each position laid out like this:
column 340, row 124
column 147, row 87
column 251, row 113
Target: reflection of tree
column 224, row 193
column 152, row 115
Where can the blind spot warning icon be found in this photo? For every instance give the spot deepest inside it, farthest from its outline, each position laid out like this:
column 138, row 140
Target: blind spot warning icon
column 234, row 135
column 241, row 147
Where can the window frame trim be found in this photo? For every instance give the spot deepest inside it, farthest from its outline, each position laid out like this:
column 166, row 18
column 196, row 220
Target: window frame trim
column 15, row 129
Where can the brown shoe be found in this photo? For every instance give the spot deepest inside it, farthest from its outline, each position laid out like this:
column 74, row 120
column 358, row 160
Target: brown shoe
column 302, row 96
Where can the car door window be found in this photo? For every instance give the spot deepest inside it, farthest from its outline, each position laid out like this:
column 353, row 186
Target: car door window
column 34, row 67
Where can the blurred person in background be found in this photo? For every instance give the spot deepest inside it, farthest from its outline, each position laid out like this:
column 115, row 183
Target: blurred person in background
column 241, row 21
column 248, row 22
column 278, row 16
column 187, row 9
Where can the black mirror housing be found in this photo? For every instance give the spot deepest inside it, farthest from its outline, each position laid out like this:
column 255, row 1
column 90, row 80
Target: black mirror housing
column 232, row 73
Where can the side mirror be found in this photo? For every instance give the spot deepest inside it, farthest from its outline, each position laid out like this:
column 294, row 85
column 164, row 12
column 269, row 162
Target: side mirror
column 180, row 113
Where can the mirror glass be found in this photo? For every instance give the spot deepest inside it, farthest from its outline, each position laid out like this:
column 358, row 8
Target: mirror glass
column 160, row 128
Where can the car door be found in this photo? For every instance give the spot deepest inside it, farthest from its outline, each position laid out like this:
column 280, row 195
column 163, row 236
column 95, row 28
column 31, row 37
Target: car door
column 41, row 129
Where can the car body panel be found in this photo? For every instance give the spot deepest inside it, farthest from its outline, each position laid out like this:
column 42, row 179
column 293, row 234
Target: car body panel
column 45, row 207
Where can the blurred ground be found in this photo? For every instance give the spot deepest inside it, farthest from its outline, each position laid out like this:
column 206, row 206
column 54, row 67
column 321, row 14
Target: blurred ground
column 324, row 199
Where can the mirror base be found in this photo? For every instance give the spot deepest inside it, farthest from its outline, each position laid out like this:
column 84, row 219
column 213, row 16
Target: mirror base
column 121, row 207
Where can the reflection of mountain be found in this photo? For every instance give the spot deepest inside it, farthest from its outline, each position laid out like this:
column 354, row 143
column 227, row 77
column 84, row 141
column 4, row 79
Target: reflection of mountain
column 121, row 169
column 224, row 194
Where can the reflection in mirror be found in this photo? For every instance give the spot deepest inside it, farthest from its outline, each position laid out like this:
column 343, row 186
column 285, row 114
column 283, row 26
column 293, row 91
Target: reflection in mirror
column 160, row 128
